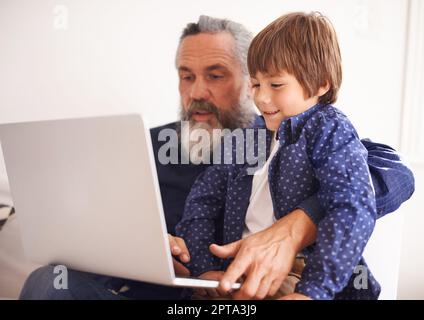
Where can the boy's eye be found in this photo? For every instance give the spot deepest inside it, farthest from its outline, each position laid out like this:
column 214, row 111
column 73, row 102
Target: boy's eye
column 276, row 85
column 255, row 85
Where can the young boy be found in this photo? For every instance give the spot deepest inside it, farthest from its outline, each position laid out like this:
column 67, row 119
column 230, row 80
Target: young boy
column 295, row 69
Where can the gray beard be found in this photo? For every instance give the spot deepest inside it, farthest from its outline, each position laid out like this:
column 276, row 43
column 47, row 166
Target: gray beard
column 240, row 116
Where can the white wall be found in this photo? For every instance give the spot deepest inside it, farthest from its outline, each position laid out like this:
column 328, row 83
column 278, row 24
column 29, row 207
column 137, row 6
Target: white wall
column 411, row 281
column 118, row 56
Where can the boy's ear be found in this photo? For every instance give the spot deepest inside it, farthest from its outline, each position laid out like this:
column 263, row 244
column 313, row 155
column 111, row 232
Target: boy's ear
column 323, row 89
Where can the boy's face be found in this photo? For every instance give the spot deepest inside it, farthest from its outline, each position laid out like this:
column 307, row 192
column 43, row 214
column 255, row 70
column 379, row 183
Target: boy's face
column 279, row 97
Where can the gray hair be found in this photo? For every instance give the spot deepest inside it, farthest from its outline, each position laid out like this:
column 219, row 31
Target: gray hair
column 242, row 37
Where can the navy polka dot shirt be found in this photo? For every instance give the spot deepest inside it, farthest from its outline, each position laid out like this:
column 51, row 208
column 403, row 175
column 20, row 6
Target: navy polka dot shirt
column 320, row 160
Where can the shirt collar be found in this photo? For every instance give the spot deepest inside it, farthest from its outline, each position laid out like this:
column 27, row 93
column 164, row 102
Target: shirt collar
column 289, row 128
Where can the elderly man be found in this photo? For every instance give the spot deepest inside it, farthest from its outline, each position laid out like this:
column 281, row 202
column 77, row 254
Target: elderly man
column 215, row 93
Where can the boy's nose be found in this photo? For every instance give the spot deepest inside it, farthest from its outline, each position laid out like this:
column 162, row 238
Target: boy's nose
column 262, row 98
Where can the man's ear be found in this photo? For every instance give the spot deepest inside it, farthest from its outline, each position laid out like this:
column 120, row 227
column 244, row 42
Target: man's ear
column 323, row 89
column 249, row 89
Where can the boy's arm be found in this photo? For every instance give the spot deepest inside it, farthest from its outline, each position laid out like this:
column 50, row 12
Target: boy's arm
column 346, row 193
column 393, row 182
column 203, row 211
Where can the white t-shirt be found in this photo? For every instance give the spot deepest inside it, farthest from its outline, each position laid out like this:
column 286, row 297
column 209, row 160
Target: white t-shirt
column 260, row 213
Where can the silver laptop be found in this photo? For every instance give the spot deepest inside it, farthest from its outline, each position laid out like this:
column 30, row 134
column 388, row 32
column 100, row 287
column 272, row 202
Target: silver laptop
column 87, row 196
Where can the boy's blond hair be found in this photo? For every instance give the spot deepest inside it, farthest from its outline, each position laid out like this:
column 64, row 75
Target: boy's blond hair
column 304, row 45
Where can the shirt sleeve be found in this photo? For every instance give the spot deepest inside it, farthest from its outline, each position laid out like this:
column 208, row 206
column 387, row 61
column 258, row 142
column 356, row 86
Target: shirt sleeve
column 313, row 209
column 393, row 182
column 347, row 196
column 203, row 210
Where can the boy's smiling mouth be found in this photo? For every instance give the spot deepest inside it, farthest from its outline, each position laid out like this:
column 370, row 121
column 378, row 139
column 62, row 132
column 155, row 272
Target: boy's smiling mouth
column 270, row 113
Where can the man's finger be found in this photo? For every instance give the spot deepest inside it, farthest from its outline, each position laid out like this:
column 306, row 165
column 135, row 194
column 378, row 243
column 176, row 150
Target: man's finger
column 179, row 248
column 264, row 287
column 275, row 286
column 212, row 293
column 278, row 281
column 175, row 249
column 234, row 272
column 180, row 269
column 223, row 293
column 249, row 288
column 184, row 254
column 200, row 291
column 227, row 251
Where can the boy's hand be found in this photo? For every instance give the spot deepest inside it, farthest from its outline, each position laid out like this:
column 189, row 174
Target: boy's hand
column 179, row 249
column 210, row 293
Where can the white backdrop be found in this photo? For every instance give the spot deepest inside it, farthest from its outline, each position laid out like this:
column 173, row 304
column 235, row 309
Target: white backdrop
column 118, row 56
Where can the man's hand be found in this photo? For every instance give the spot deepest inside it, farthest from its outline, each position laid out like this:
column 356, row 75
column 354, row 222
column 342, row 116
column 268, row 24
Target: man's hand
column 264, row 262
column 266, row 258
column 179, row 249
column 210, row 293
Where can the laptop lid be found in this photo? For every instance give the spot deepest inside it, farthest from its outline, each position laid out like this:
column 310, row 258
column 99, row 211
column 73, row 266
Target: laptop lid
column 87, row 195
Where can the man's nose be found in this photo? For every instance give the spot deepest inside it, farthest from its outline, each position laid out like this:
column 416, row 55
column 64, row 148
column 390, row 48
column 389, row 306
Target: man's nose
column 199, row 90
